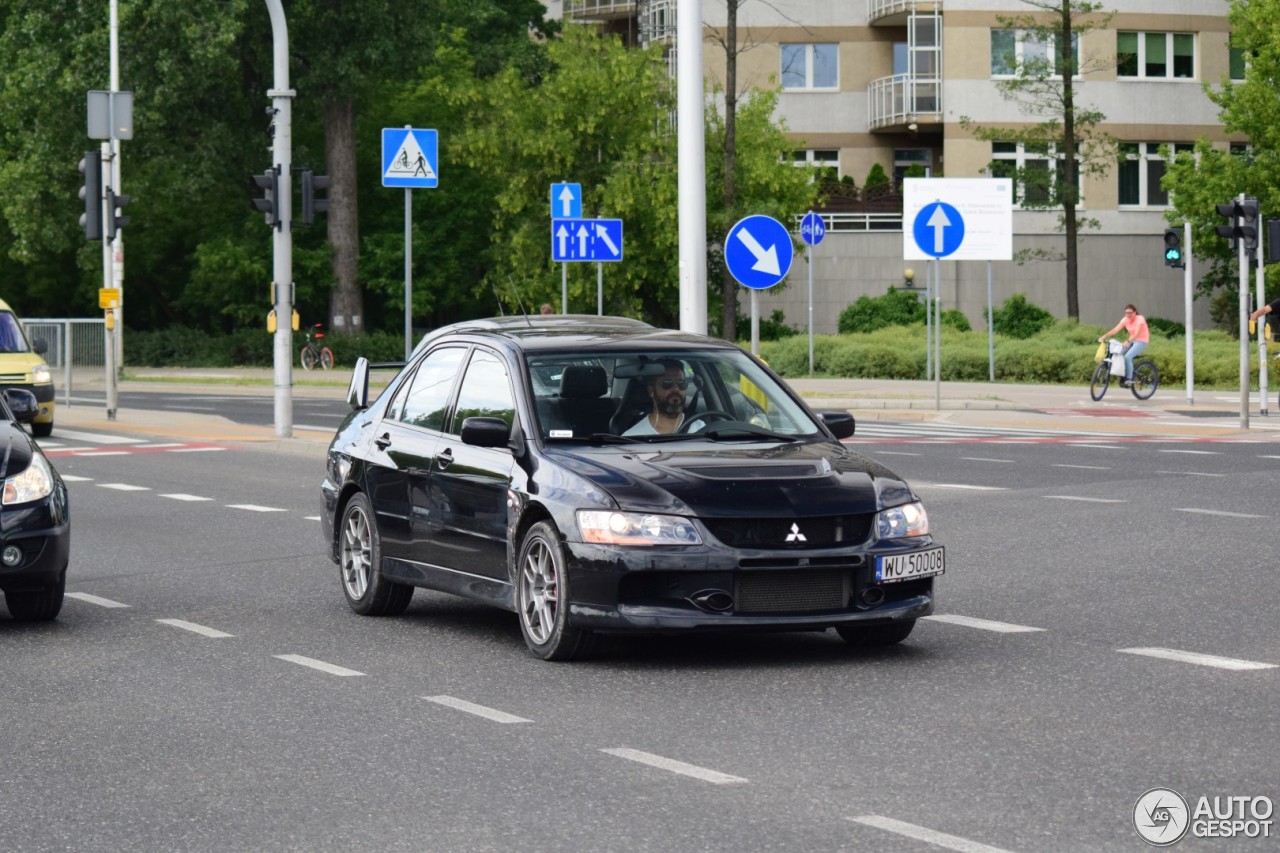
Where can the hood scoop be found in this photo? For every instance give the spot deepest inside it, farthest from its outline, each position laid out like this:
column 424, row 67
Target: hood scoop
column 760, row 470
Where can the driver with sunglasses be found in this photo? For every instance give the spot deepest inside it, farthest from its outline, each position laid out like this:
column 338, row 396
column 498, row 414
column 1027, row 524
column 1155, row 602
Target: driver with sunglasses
column 668, row 395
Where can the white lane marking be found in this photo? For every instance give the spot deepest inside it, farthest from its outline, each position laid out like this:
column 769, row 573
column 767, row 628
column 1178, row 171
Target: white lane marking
column 1191, row 473
column 123, row 487
column 1216, row 512
column 983, row 624
column 311, row 518
column 962, row 486
column 904, row 453
column 332, row 669
column 179, row 496
column 96, row 437
column 1269, row 457
column 1088, row 500
column 1098, row 446
column 1197, row 658
column 194, row 449
column 1197, row 452
column 712, row 776
column 929, row 836
column 100, row 453
column 51, row 445
column 192, row 408
column 94, row 599
column 1086, row 467
column 194, row 628
column 166, row 444
column 313, row 428
column 478, row 710
column 72, row 478
column 256, row 508
column 987, row 459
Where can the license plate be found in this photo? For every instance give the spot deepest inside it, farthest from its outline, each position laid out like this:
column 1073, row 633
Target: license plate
column 891, row 568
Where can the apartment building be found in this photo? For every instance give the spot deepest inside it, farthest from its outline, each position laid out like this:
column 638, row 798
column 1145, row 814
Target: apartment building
column 890, row 81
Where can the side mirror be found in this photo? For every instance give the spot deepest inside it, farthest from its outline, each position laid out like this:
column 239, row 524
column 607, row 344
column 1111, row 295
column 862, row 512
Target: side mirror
column 841, row 424
column 22, row 403
column 485, row 432
column 358, row 390
column 40, row 346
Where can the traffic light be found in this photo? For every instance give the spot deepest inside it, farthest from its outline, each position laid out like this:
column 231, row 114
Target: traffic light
column 91, row 192
column 1244, row 224
column 1273, row 241
column 311, row 205
column 1173, row 248
column 116, row 220
column 268, row 204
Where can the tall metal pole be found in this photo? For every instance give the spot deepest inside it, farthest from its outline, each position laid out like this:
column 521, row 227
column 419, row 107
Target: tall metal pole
column 692, row 166
column 810, row 265
column 408, row 273
column 1243, row 268
column 1186, row 299
column 600, row 290
column 282, row 239
column 111, row 324
column 117, row 245
column 991, row 330
column 1262, row 339
column 928, row 320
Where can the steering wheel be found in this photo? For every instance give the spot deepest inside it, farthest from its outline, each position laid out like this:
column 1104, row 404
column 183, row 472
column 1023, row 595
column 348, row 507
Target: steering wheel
column 710, row 415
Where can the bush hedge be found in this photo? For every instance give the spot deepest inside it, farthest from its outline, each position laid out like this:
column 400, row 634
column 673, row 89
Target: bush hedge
column 182, row 347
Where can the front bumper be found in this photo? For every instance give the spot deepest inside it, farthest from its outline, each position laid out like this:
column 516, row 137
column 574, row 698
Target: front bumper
column 42, row 530
column 617, row 589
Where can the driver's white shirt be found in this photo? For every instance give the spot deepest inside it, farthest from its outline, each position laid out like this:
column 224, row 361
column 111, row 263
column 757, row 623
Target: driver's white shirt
column 644, row 426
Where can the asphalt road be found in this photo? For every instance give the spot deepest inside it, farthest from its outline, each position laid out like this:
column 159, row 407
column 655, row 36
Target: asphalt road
column 307, row 727
column 253, row 406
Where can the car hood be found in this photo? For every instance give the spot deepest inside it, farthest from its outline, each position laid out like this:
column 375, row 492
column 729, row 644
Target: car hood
column 736, row 481
column 15, row 363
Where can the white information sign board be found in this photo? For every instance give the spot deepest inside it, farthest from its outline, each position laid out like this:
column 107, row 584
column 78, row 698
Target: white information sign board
column 957, row 219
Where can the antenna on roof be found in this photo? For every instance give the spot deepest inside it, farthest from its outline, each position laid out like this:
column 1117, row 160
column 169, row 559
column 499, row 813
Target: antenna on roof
column 519, row 301
column 498, row 299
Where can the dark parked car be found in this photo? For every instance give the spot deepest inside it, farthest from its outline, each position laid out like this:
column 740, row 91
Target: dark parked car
column 35, row 526
column 597, row 474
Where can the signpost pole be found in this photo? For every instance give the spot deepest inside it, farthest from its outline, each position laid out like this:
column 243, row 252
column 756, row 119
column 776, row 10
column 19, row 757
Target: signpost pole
column 810, row 265
column 937, row 343
column 1262, row 339
column 107, row 272
column 564, row 288
column 1242, row 262
column 928, row 320
column 600, row 290
column 755, row 324
column 408, row 273
column 1186, row 299
column 991, row 331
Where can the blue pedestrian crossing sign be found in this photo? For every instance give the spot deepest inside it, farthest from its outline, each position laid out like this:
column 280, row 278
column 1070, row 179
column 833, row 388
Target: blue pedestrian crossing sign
column 758, row 251
column 812, row 228
column 409, row 158
column 566, row 201
column 938, row 229
column 574, row 240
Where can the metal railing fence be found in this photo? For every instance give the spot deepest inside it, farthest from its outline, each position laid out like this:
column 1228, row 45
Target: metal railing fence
column 76, row 352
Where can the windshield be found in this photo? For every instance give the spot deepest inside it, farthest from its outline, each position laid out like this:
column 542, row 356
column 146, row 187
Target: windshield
column 649, row 396
column 11, row 337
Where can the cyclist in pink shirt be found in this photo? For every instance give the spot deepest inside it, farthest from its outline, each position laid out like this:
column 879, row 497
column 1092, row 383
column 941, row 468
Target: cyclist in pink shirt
column 1139, row 336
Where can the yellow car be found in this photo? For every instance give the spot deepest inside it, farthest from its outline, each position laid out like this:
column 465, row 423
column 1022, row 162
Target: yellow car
column 22, row 367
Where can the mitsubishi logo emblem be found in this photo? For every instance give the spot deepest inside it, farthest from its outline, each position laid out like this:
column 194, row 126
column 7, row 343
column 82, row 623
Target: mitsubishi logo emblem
column 795, row 535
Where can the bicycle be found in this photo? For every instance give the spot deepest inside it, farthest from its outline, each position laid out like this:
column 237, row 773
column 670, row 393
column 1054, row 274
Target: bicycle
column 1145, row 376
column 313, row 353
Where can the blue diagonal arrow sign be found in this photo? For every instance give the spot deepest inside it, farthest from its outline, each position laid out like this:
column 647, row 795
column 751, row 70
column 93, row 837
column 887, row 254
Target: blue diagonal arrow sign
column 758, row 251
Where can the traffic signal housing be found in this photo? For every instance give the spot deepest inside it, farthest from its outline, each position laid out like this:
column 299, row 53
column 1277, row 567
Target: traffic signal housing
column 1244, row 224
column 91, row 220
column 116, row 220
column 1173, row 248
column 268, row 204
column 311, row 204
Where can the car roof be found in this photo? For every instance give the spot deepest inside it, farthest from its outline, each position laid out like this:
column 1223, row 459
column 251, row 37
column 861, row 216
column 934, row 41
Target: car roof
column 553, row 332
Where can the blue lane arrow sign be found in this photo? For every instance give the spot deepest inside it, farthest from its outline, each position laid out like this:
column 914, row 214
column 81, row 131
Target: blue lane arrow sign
column 812, row 228
column 758, row 251
column 594, row 240
column 938, row 229
column 566, row 201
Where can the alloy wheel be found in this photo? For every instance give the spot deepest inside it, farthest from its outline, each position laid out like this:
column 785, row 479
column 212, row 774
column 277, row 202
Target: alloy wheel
column 356, row 553
column 539, row 592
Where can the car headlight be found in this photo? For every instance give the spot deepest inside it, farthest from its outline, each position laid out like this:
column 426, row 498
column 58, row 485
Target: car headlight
column 31, row 485
column 40, row 375
column 634, row 528
column 906, row 520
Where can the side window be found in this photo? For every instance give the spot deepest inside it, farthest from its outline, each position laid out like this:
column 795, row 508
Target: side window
column 428, row 396
column 486, row 392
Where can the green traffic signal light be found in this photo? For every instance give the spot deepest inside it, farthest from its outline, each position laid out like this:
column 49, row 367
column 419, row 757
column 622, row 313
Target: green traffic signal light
column 1172, row 247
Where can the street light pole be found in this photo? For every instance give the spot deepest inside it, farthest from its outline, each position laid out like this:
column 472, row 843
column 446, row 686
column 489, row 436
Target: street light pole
column 692, row 163
column 116, row 254
column 282, row 239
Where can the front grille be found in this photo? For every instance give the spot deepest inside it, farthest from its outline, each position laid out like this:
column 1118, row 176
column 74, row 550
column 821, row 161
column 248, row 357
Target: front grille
column 822, row 532
column 791, row 592
column 13, row 377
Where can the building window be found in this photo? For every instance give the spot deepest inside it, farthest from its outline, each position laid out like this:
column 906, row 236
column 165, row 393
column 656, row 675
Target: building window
column 1238, row 62
column 906, row 158
column 1141, row 170
column 1156, row 55
column 1022, row 50
column 1033, row 170
column 810, row 66
column 1243, row 151
column 826, row 160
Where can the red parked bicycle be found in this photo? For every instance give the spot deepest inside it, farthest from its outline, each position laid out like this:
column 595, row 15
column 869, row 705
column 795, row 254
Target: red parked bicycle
column 313, row 353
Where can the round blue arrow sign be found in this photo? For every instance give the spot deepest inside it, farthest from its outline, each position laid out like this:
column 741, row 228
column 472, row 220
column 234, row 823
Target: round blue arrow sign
column 812, row 228
column 758, row 251
column 938, row 229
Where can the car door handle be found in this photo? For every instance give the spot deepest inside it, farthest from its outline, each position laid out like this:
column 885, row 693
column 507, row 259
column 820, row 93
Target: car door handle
column 383, row 441
column 443, row 459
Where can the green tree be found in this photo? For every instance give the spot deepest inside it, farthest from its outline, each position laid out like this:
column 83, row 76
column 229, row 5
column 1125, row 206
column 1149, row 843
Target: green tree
column 1041, row 53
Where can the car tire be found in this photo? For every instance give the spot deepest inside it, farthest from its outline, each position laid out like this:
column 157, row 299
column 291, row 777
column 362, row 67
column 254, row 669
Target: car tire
column 42, row 430
column 870, row 636
column 359, row 557
column 542, row 598
column 37, row 605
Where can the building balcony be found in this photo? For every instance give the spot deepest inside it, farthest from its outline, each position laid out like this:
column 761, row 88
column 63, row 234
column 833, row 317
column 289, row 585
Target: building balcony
column 897, row 103
column 599, row 10
column 894, row 13
column 657, row 22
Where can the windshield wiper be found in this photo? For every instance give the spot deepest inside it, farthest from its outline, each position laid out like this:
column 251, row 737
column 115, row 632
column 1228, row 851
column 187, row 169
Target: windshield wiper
column 747, row 431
